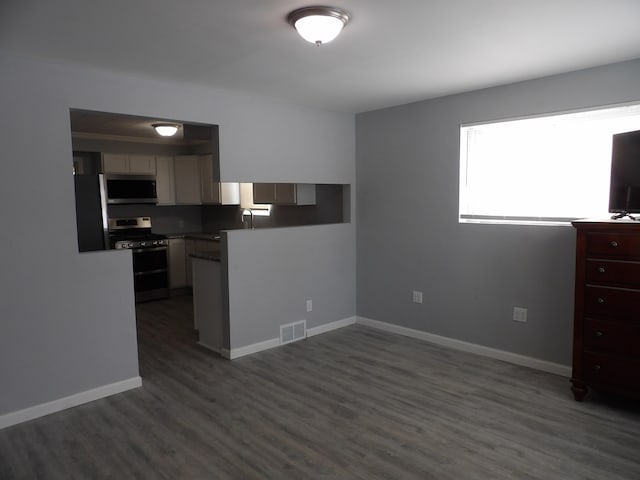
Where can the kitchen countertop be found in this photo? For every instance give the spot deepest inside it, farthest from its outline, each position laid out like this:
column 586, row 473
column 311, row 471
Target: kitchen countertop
column 212, row 237
column 211, row 256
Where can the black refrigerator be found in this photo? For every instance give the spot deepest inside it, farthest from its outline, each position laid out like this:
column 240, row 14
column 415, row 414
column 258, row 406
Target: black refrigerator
column 91, row 213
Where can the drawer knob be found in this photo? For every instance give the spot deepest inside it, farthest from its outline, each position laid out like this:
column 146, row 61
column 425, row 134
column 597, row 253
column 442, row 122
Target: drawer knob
column 599, row 334
column 601, row 270
column 600, row 300
column 614, row 244
column 597, row 367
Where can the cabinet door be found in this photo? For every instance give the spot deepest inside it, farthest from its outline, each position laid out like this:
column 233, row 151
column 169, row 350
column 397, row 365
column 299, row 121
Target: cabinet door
column 142, row 164
column 210, row 189
column 305, row 194
column 207, row 246
column 285, row 193
column 165, row 183
column 229, row 193
column 187, row 175
column 115, row 163
column 177, row 263
column 264, row 193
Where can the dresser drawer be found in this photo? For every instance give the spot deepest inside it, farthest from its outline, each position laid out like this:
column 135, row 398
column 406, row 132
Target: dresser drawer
column 606, row 336
column 622, row 303
column 613, row 271
column 622, row 338
column 613, row 244
column 613, row 371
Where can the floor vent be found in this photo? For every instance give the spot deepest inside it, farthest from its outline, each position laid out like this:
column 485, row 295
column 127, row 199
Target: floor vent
column 293, row 332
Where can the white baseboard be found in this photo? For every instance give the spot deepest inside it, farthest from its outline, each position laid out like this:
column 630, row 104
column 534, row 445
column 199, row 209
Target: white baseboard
column 253, row 348
column 517, row 359
column 54, row 406
column 327, row 327
column 275, row 342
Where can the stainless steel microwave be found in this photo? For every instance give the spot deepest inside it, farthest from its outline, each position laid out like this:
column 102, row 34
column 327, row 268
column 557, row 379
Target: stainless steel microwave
column 123, row 189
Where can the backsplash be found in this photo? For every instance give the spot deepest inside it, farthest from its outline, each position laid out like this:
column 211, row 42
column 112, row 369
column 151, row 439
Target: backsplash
column 168, row 219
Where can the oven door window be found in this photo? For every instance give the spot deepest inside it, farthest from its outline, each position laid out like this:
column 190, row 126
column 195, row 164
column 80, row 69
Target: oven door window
column 150, row 281
column 147, row 260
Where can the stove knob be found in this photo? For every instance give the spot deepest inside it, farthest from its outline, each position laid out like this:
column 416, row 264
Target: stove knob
column 155, row 242
column 143, row 244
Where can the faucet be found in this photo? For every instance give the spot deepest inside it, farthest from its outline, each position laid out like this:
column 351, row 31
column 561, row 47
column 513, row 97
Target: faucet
column 248, row 211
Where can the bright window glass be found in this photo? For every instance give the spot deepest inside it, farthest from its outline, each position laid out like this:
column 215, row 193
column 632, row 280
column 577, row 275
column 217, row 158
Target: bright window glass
column 546, row 170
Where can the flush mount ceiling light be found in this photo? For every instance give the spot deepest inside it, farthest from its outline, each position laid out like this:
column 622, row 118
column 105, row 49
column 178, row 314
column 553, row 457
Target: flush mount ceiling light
column 318, row 24
column 166, row 129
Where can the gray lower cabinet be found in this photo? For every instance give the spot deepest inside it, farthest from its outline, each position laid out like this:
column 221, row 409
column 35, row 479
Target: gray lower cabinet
column 197, row 245
column 177, row 263
column 207, row 303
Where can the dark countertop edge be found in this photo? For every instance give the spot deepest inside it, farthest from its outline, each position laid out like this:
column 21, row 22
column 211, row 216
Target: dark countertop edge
column 210, row 256
column 194, row 236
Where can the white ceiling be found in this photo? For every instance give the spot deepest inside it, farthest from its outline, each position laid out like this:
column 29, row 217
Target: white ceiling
column 392, row 52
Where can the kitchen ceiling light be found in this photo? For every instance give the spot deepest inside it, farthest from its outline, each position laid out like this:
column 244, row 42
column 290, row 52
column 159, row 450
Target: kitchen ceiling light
column 165, row 129
column 318, row 24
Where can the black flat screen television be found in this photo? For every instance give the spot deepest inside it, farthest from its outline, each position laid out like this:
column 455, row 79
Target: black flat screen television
column 624, row 189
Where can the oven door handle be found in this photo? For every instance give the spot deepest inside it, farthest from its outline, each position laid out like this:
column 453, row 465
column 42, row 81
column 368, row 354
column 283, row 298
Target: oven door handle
column 147, row 249
column 149, row 272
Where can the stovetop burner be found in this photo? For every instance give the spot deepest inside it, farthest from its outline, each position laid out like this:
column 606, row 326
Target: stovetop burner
column 142, row 242
column 134, row 232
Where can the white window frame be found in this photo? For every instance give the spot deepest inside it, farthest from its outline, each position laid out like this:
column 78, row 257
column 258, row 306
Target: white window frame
column 468, row 212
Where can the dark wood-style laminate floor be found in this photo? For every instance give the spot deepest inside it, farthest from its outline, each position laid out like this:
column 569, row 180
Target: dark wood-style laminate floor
column 355, row 403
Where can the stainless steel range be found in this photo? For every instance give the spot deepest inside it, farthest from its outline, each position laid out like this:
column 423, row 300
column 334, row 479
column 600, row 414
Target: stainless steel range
column 149, row 251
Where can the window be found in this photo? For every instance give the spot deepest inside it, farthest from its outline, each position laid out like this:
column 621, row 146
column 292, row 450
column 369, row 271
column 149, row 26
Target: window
column 544, row 170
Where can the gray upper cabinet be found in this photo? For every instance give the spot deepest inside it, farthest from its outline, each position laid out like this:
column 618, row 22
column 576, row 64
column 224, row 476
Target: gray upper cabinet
column 216, row 193
column 187, row 178
column 165, row 181
column 132, row 164
column 284, row 193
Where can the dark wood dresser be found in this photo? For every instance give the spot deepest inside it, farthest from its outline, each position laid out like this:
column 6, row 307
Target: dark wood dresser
column 606, row 332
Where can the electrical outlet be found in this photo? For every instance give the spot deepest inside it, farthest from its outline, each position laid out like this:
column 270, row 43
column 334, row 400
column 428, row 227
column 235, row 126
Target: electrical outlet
column 309, row 305
column 519, row 314
column 417, row 297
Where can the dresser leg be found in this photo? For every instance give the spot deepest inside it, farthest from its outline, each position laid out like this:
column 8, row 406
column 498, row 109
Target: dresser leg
column 579, row 390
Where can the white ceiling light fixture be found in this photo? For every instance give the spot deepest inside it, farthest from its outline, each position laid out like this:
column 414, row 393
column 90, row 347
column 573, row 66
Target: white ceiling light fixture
column 318, row 24
column 166, row 129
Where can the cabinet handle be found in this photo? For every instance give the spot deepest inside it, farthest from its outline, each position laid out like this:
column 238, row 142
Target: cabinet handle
column 614, row 244
column 601, row 270
column 599, row 334
column 597, row 367
column 600, row 300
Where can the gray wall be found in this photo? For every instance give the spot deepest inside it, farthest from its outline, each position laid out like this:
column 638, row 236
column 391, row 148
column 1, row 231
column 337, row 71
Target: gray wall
column 471, row 275
column 68, row 319
column 272, row 272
